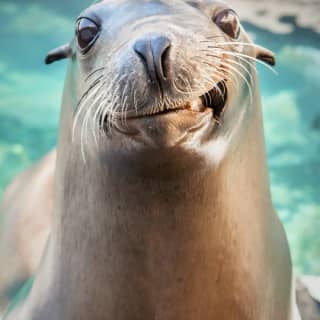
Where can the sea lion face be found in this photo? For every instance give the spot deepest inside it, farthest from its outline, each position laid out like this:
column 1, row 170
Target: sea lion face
column 161, row 74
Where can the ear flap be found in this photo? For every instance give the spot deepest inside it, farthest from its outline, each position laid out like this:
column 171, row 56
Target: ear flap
column 265, row 55
column 60, row 53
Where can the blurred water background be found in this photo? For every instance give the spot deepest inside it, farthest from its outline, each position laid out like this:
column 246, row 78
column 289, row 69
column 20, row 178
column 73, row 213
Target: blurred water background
column 30, row 95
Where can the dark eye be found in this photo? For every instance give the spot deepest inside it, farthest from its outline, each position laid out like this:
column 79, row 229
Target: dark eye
column 87, row 33
column 228, row 21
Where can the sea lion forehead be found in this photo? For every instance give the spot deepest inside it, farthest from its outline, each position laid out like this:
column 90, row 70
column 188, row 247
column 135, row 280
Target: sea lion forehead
column 115, row 14
column 154, row 6
column 124, row 9
column 112, row 4
column 192, row 2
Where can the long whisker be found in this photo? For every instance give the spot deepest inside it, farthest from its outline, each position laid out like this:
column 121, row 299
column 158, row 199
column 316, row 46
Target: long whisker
column 244, row 79
column 106, row 111
column 237, row 54
column 216, row 68
column 96, row 117
column 237, row 43
column 98, row 98
column 248, row 62
column 186, row 81
column 113, row 105
column 82, row 106
column 116, row 100
column 135, row 103
column 124, row 100
column 94, row 72
column 213, row 37
column 106, row 101
column 86, row 119
column 246, row 70
column 217, row 45
column 231, row 74
column 94, row 83
column 175, row 86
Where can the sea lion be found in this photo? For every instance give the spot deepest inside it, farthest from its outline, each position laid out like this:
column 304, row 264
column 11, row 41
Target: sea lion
column 308, row 297
column 162, row 203
column 27, row 205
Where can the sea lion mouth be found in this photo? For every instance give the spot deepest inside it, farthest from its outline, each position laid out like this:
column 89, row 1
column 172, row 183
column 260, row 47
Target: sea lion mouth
column 187, row 117
column 214, row 99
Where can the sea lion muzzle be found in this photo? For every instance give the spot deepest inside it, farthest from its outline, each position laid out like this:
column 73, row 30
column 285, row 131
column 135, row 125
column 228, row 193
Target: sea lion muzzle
column 154, row 53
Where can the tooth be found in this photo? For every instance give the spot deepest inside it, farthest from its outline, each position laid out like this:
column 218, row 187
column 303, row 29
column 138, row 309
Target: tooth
column 197, row 105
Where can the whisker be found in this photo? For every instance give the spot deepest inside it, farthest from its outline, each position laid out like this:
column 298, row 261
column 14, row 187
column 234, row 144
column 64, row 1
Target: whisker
column 237, row 43
column 107, row 98
column 244, row 79
column 95, row 82
column 186, row 81
column 175, row 86
column 237, row 54
column 124, row 100
column 113, row 104
column 248, row 62
column 79, row 111
column 86, row 119
column 116, row 98
column 96, row 117
column 214, row 37
column 216, row 70
column 94, row 72
column 134, row 89
column 246, row 70
column 230, row 73
column 98, row 98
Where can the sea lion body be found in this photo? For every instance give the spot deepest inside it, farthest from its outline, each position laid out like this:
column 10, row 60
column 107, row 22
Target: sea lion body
column 162, row 201
column 28, row 207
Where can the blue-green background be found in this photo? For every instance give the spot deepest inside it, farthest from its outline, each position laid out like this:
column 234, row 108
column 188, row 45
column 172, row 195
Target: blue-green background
column 30, row 96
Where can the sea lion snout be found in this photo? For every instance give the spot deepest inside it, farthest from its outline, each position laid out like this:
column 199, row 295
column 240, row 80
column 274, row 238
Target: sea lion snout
column 154, row 53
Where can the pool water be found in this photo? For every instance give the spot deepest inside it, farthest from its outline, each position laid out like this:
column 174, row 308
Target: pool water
column 30, row 95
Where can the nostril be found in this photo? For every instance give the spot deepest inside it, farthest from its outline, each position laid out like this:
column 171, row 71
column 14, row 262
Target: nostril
column 143, row 50
column 165, row 65
column 154, row 53
column 161, row 49
column 141, row 56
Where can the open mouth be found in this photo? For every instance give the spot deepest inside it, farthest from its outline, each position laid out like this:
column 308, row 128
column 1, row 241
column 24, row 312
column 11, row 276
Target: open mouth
column 215, row 99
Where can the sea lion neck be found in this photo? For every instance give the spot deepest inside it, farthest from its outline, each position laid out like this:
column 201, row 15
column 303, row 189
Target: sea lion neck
column 147, row 248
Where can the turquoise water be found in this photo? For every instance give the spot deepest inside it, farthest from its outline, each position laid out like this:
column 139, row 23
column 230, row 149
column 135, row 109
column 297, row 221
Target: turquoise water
column 30, row 97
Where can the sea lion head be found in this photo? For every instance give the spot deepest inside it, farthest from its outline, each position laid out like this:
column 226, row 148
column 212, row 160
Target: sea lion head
column 167, row 74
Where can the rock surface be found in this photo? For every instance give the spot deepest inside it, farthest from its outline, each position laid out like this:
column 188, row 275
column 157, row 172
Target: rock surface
column 269, row 15
column 309, row 307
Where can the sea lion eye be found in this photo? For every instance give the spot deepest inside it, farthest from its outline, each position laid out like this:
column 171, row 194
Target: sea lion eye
column 228, row 21
column 87, row 33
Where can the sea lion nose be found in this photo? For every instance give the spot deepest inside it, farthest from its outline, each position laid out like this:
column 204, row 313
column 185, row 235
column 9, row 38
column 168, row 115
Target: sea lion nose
column 154, row 53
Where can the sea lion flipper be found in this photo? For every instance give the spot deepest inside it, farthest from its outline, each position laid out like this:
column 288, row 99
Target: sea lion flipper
column 265, row 55
column 59, row 53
